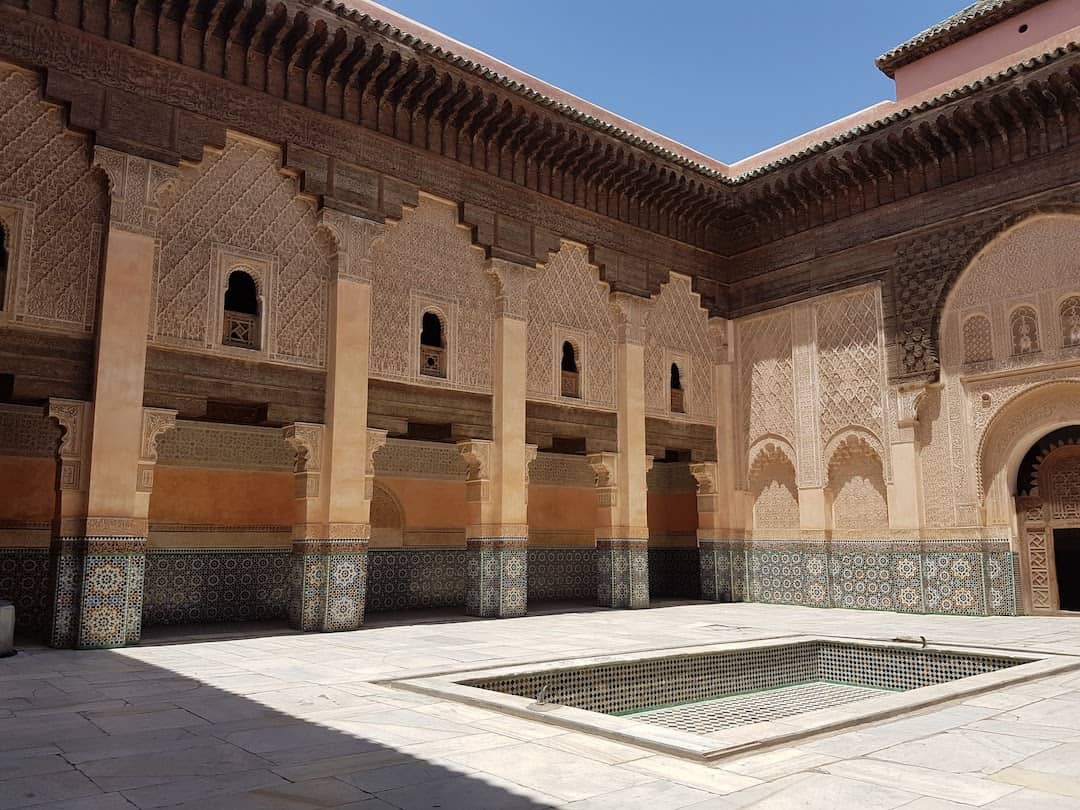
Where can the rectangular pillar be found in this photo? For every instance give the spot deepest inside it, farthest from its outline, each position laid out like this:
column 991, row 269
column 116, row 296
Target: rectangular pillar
column 622, row 533
column 99, row 539
column 496, row 580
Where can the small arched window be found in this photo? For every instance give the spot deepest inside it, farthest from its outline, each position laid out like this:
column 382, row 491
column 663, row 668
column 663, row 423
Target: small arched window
column 678, row 401
column 571, row 378
column 241, row 322
column 432, row 346
column 1024, row 328
column 977, row 344
column 1070, row 321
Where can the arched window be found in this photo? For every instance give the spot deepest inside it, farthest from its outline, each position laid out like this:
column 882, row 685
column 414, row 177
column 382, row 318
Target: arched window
column 241, row 311
column 1070, row 321
column 977, row 343
column 678, row 403
column 432, row 346
column 3, row 265
column 1024, row 329
column 571, row 382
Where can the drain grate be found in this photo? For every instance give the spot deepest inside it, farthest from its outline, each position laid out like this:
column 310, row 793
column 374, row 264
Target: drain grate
column 708, row 716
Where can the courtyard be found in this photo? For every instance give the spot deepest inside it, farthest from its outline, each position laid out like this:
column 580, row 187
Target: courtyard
column 271, row 718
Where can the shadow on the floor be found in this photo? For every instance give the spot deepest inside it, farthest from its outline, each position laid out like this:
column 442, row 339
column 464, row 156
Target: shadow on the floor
column 219, row 631
column 98, row 721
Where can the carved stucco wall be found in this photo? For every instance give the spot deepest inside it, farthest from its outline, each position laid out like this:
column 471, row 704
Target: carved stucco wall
column 237, row 210
column 811, row 377
column 1032, row 266
column 427, row 261
column 54, row 209
column 677, row 331
column 774, row 491
column 567, row 301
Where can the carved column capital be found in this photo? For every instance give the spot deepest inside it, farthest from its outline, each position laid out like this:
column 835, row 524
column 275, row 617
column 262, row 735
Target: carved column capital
column 155, row 421
column 376, row 441
column 720, row 340
column 140, row 189
column 355, row 239
column 73, row 418
column 604, row 467
column 704, row 474
column 628, row 312
column 306, row 440
column 511, row 282
column 530, row 457
column 477, row 456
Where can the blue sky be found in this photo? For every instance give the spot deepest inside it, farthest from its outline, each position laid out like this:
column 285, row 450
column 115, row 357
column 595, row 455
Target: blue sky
column 726, row 77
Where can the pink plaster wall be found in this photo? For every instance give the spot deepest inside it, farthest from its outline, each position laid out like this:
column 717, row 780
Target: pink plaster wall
column 1043, row 22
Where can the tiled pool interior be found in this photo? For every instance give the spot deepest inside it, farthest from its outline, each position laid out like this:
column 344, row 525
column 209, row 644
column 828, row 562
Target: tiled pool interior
column 709, row 692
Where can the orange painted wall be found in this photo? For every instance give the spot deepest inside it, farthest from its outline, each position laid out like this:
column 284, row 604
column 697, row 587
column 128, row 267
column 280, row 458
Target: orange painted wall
column 673, row 516
column 435, row 513
column 28, row 486
column 562, row 516
column 221, row 497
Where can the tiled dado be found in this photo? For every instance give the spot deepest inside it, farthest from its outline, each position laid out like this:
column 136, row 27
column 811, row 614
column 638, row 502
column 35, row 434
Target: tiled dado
column 408, row 578
column 562, row 575
column 24, row 581
column 328, row 584
column 966, row 577
column 96, row 585
column 622, row 573
column 210, row 585
column 496, row 577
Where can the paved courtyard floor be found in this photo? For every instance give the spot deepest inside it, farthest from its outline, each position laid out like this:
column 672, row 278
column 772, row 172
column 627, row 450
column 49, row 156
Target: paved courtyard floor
column 295, row 721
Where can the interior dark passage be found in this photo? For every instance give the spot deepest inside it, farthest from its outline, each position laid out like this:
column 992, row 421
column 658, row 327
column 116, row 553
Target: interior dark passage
column 1067, row 559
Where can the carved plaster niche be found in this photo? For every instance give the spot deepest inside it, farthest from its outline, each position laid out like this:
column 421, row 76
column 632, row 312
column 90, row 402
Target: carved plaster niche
column 579, row 340
column 448, row 312
column 140, row 189
column 73, row 417
column 263, row 269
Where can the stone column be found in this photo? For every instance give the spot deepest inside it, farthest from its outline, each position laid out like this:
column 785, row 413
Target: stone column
column 714, row 548
column 98, row 550
column 905, row 490
column 335, row 467
column 622, row 564
column 622, row 533
column 498, row 470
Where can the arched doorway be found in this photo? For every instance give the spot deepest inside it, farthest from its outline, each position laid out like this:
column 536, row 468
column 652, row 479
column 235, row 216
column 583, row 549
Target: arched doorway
column 1048, row 512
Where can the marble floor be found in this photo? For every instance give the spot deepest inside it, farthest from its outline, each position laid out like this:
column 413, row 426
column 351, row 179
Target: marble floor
column 299, row 721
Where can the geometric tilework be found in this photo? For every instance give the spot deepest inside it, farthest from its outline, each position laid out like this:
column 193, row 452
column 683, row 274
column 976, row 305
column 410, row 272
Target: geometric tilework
column 631, row 686
column 622, row 573
column 674, row 573
column 24, row 581
column 410, row 578
column 562, row 574
column 200, row 586
column 496, row 577
column 973, row 578
column 328, row 585
column 96, row 585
